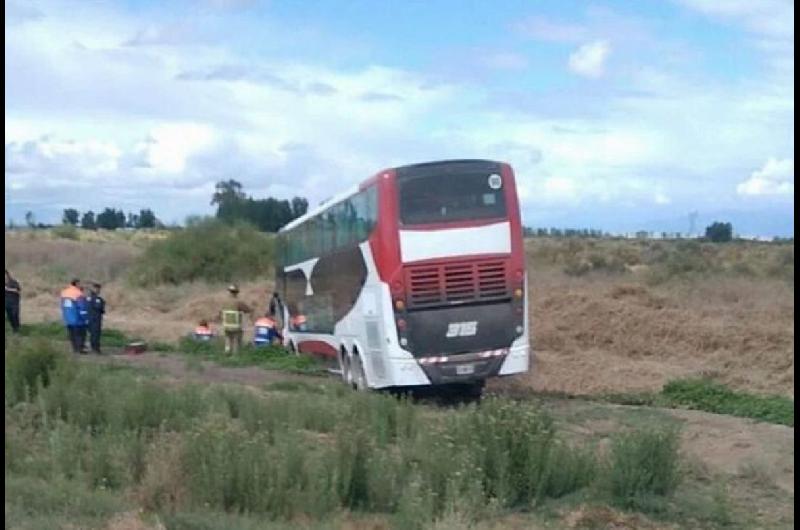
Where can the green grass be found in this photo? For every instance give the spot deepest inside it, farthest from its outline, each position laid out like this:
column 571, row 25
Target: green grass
column 281, row 455
column 98, row 440
column 56, row 331
column 710, row 396
column 268, row 357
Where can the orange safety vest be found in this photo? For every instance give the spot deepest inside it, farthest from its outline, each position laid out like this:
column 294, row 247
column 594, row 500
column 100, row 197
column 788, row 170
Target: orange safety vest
column 265, row 322
column 71, row 292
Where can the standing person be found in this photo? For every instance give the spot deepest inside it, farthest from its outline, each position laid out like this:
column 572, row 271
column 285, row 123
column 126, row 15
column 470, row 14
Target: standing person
column 83, row 312
column 13, row 291
column 276, row 308
column 232, row 316
column 71, row 299
column 97, row 308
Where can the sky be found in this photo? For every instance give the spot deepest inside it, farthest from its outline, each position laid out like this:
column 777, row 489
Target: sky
column 618, row 116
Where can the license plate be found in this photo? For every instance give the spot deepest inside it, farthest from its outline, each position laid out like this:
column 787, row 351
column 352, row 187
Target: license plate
column 465, row 369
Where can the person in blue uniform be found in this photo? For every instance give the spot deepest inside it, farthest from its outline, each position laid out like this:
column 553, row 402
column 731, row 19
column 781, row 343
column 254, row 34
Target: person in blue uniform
column 72, row 302
column 266, row 331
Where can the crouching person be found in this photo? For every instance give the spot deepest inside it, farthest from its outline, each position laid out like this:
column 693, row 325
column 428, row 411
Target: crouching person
column 203, row 332
column 266, row 332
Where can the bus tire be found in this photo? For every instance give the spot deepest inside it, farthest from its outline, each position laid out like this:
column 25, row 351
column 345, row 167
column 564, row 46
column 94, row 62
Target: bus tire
column 343, row 364
column 359, row 378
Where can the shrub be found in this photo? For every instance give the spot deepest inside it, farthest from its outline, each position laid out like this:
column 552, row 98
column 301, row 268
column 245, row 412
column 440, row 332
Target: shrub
column 29, row 366
column 206, row 250
column 643, row 464
column 66, row 231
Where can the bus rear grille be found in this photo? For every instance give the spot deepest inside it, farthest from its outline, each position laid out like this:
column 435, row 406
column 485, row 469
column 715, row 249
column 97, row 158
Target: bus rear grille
column 456, row 282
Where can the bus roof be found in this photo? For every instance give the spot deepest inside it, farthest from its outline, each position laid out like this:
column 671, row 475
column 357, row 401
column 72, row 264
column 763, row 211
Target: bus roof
column 321, row 208
column 355, row 189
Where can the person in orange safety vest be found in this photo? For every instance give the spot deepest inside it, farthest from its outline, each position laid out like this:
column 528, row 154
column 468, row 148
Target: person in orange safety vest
column 203, row 332
column 266, row 331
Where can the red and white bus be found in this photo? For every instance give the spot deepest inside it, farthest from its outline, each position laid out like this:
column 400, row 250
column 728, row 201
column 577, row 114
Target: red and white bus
column 415, row 277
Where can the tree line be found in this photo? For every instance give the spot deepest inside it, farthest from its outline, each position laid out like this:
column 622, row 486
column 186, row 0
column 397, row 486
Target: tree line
column 717, row 232
column 111, row 219
column 269, row 214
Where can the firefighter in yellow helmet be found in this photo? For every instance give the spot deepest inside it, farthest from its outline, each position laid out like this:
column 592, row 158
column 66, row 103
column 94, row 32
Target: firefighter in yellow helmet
column 232, row 320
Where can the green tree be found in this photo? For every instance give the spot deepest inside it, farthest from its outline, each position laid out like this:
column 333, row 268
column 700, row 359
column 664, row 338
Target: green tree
column 88, row 222
column 299, row 207
column 133, row 220
column 109, row 219
column 70, row 217
column 719, row 232
column 147, row 219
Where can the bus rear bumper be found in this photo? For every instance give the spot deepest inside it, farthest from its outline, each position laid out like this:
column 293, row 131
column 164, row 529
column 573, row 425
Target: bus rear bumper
column 464, row 368
column 518, row 359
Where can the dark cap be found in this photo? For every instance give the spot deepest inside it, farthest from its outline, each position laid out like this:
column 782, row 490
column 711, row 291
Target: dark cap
column 96, row 285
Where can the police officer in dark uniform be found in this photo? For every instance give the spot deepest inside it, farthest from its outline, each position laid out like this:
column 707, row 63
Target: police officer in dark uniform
column 12, row 302
column 276, row 307
column 97, row 308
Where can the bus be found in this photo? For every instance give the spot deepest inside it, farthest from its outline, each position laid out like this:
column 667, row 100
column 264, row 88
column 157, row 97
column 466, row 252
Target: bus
column 414, row 278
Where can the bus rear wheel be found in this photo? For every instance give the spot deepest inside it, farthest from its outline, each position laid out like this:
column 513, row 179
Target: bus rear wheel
column 344, row 364
column 359, row 379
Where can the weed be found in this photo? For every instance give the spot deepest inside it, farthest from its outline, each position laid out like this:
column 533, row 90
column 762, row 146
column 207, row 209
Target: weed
column 66, row 232
column 644, row 465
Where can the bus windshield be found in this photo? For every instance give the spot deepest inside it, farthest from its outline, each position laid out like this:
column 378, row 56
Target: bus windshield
column 451, row 197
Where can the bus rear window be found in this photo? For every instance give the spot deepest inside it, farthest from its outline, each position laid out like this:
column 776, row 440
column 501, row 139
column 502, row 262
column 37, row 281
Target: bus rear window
column 451, row 197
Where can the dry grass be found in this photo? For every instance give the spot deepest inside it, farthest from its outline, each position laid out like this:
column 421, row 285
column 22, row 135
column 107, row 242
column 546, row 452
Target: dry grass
column 600, row 331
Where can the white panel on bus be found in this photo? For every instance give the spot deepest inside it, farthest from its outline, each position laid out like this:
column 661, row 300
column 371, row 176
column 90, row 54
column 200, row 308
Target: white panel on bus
column 416, row 245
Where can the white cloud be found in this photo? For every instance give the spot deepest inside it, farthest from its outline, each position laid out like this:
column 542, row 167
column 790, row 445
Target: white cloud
column 775, row 178
column 170, row 145
column 661, row 198
column 589, row 60
column 767, row 17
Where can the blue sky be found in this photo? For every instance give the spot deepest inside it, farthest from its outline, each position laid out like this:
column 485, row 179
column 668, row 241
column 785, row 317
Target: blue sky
column 616, row 115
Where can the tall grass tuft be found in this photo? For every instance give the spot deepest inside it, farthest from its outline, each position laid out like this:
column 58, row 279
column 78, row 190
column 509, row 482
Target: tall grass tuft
column 643, row 465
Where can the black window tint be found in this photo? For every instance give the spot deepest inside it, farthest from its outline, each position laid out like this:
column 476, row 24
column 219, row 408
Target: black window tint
column 443, row 198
